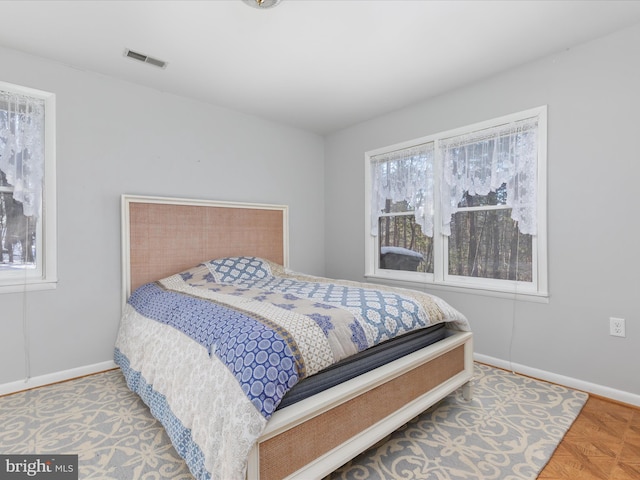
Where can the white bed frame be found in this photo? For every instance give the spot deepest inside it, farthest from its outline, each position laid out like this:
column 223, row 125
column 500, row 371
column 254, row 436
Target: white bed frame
column 313, row 437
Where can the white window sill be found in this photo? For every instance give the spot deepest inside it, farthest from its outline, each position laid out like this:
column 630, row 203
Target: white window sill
column 28, row 286
column 536, row 297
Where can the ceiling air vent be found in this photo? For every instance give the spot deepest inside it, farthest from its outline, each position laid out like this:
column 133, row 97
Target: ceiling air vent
column 141, row 57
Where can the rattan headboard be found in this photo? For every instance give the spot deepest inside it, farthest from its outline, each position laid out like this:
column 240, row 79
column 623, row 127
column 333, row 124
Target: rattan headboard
column 162, row 236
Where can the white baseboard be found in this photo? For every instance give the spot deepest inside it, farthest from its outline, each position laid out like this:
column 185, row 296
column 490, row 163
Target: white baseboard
column 612, row 393
column 55, row 377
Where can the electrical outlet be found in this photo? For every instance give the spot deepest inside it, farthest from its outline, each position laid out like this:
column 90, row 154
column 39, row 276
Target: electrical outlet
column 617, row 327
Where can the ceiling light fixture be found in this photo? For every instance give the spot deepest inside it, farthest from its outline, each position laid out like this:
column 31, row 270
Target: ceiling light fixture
column 262, row 4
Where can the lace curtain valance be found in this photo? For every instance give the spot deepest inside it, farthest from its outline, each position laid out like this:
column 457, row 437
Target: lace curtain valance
column 22, row 149
column 404, row 175
column 482, row 161
column 475, row 163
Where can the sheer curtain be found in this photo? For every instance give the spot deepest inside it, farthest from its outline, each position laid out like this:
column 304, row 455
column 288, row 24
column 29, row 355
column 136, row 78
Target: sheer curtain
column 404, row 175
column 482, row 161
column 22, row 148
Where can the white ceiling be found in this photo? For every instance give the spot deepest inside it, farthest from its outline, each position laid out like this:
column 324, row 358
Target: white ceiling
column 320, row 65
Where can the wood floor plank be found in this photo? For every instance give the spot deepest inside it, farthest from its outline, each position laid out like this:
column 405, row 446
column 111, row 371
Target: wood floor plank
column 602, row 444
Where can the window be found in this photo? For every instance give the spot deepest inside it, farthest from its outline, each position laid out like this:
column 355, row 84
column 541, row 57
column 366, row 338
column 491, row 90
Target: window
column 27, row 189
column 463, row 208
column 403, row 197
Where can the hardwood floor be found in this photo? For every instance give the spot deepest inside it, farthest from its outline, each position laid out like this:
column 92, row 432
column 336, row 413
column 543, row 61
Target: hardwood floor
column 602, row 444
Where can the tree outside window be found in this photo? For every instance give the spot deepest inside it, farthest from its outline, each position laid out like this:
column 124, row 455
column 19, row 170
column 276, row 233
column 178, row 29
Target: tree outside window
column 486, row 242
column 17, row 231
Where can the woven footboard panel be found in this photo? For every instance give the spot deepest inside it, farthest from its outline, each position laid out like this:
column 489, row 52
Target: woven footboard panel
column 289, row 451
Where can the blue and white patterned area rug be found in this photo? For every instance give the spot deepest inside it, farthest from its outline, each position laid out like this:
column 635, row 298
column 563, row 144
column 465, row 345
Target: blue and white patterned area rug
column 508, row 431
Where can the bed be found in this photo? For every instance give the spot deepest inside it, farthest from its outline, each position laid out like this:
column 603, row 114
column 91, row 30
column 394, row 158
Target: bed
column 300, row 406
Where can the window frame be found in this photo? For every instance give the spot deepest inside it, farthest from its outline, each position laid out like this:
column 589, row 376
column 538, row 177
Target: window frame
column 441, row 279
column 44, row 276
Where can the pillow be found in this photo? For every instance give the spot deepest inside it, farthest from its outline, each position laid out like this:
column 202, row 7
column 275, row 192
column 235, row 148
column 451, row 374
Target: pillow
column 231, row 269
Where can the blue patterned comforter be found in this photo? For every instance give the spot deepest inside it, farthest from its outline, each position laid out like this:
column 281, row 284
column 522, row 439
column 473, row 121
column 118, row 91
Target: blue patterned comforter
column 213, row 350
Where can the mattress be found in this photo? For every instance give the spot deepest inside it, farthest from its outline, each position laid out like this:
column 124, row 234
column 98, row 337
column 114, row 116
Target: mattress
column 363, row 362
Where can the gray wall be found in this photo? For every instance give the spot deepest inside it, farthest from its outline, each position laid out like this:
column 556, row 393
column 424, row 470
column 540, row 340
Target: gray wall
column 114, row 138
column 593, row 97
